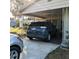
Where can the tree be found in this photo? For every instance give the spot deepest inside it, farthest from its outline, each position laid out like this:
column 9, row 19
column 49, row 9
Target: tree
column 17, row 6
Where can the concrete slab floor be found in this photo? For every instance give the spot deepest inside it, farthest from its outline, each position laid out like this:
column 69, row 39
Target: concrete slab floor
column 36, row 49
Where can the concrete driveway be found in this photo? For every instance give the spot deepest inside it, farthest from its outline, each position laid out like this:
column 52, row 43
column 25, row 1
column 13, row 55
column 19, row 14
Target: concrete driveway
column 36, row 49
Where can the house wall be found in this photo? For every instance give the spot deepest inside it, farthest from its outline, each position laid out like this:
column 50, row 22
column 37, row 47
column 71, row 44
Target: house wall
column 45, row 5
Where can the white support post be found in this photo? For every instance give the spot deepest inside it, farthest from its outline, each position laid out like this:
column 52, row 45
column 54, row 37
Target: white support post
column 65, row 27
column 21, row 22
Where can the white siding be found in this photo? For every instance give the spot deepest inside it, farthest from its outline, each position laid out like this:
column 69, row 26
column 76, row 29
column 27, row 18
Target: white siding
column 45, row 5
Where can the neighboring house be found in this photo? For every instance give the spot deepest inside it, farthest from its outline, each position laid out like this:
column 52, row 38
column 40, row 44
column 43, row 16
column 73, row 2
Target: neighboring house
column 12, row 22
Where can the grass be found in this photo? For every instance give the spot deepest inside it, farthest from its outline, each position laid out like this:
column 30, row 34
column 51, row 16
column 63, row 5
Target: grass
column 59, row 53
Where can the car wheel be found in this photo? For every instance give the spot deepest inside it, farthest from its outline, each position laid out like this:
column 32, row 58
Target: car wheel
column 14, row 53
column 30, row 38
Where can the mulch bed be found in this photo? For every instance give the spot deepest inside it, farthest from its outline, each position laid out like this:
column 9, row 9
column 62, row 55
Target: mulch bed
column 59, row 53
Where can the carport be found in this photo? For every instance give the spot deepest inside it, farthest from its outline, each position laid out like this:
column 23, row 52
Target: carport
column 60, row 17
column 54, row 16
column 57, row 11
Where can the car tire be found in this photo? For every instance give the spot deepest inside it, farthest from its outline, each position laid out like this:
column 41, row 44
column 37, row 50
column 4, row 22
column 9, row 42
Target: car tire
column 14, row 53
column 30, row 38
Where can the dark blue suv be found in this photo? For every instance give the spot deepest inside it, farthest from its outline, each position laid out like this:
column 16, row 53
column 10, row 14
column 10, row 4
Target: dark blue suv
column 41, row 31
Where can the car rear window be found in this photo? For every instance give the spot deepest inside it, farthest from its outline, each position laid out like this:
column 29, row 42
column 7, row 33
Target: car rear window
column 39, row 24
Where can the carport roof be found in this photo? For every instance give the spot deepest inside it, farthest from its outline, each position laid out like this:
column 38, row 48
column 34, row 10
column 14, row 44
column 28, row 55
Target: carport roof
column 46, row 13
